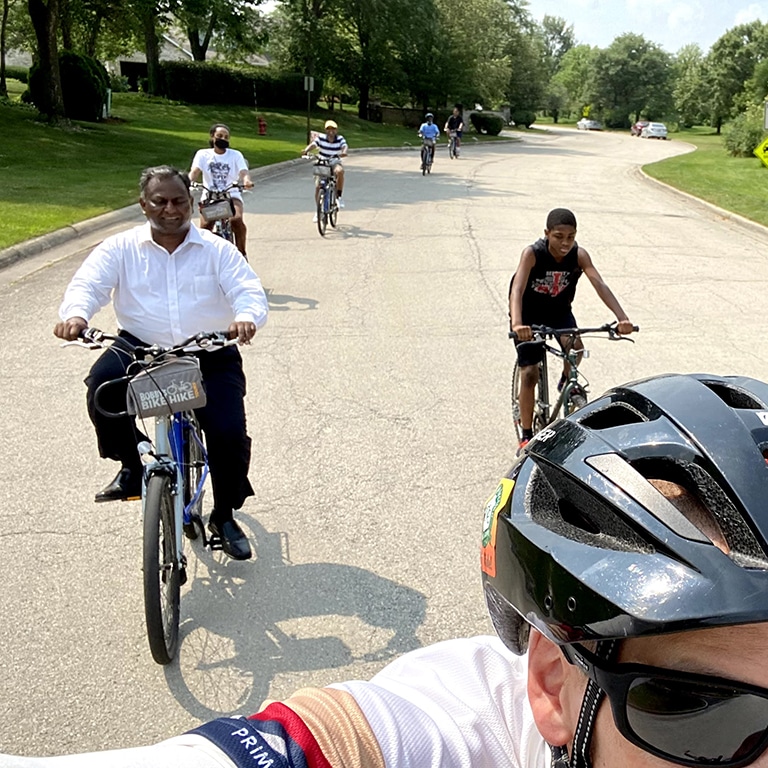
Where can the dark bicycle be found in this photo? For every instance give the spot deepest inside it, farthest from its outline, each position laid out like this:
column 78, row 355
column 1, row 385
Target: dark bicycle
column 427, row 154
column 165, row 385
column 218, row 208
column 453, row 149
column 573, row 391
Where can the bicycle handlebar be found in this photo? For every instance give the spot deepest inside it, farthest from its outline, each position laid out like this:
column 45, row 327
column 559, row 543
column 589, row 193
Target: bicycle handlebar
column 541, row 332
column 207, row 340
column 234, row 185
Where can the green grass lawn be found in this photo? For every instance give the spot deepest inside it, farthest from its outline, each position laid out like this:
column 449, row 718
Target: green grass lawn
column 61, row 176
column 738, row 184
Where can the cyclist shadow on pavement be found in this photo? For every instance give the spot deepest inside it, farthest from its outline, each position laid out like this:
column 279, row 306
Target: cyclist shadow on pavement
column 283, row 302
column 244, row 623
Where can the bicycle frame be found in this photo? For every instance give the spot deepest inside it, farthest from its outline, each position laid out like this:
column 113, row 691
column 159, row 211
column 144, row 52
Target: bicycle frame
column 167, row 457
column 550, row 411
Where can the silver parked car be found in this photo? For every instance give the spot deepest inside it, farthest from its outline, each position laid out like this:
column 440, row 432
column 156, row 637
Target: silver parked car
column 587, row 124
column 654, row 131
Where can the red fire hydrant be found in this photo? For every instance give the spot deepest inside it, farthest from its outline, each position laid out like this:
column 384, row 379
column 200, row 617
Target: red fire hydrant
column 262, row 126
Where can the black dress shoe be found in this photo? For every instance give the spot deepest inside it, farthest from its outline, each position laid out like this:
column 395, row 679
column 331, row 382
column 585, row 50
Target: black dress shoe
column 125, row 486
column 233, row 541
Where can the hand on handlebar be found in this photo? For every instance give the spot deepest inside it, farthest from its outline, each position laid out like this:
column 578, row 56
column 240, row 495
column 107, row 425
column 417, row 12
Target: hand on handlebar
column 243, row 330
column 70, row 329
column 522, row 332
column 625, row 327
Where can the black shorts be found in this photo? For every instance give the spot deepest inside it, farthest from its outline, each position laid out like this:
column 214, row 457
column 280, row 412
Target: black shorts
column 532, row 352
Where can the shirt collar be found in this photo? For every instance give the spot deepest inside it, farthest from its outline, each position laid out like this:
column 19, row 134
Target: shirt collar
column 193, row 235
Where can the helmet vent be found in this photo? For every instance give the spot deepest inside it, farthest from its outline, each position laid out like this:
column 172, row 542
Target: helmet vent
column 613, row 415
column 716, row 516
column 733, row 396
column 567, row 508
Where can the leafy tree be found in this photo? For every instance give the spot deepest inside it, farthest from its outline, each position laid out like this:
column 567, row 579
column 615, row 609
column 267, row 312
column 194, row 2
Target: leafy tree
column 574, row 78
column 632, row 77
column 236, row 24
column 688, row 92
column 729, row 66
column 530, row 76
column 559, row 38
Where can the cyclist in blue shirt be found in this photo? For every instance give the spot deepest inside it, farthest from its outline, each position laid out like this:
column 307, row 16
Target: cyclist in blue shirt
column 429, row 132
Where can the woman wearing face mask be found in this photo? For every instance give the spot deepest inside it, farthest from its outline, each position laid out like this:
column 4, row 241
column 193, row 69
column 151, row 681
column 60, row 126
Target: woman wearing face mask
column 221, row 166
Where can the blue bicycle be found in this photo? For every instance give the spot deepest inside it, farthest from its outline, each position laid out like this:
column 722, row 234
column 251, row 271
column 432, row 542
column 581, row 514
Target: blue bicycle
column 165, row 385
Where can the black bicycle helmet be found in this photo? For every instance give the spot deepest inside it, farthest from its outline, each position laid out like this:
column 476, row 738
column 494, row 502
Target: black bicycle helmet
column 580, row 543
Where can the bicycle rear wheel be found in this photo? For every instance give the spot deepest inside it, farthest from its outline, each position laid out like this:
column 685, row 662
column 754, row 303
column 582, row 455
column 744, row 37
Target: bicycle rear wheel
column 162, row 571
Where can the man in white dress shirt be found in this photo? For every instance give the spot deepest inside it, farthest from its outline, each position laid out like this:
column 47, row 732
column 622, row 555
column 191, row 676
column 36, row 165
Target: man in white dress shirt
column 169, row 280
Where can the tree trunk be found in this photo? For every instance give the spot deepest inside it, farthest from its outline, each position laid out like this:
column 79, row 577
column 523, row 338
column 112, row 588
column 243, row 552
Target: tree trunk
column 3, row 28
column 365, row 95
column 199, row 48
column 151, row 49
column 93, row 35
column 65, row 25
column 45, row 20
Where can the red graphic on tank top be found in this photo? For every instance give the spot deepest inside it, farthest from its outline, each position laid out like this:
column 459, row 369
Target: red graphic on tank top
column 553, row 284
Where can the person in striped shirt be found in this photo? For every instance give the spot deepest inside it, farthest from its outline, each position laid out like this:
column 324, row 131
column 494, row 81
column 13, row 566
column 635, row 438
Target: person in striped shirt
column 332, row 146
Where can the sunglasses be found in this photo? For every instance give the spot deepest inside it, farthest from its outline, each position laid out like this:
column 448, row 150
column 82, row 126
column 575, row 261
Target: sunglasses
column 685, row 718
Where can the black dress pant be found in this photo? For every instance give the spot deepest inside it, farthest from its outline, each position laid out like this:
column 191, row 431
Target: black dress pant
column 222, row 420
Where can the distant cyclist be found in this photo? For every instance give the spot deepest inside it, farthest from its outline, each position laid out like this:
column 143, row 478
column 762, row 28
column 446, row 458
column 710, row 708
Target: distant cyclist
column 331, row 146
column 219, row 167
column 429, row 132
column 455, row 124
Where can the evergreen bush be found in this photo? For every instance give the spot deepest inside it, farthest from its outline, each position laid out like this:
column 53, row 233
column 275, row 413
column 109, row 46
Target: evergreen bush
column 745, row 133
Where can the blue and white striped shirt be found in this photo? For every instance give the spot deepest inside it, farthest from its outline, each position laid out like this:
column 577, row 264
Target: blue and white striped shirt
column 329, row 150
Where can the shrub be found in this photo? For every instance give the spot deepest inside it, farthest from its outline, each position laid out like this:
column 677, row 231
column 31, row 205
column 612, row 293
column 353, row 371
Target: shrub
column 524, row 117
column 745, row 132
column 484, row 123
column 84, row 83
column 198, row 82
column 17, row 73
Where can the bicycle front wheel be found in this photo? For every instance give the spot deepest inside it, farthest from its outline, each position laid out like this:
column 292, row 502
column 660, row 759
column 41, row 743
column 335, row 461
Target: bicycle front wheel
column 576, row 400
column 452, row 149
column 333, row 216
column 322, row 221
column 162, row 571
column 193, row 465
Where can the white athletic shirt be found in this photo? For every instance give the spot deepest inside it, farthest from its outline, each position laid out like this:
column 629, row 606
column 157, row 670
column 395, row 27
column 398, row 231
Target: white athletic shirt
column 456, row 704
column 220, row 170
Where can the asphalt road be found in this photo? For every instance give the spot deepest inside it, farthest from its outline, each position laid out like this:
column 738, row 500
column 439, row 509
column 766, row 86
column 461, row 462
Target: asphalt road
column 379, row 407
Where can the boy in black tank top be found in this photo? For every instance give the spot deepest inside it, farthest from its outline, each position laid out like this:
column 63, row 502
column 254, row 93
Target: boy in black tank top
column 541, row 293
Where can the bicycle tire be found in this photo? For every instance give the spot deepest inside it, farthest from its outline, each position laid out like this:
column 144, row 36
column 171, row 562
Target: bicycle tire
column 542, row 416
column 576, row 401
column 162, row 582
column 193, row 464
column 515, row 393
column 322, row 222
column 452, row 148
column 333, row 216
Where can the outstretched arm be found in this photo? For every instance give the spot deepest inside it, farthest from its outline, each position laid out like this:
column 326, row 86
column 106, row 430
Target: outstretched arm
column 604, row 292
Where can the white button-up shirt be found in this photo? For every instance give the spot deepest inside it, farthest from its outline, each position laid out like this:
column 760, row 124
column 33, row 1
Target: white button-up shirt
column 164, row 298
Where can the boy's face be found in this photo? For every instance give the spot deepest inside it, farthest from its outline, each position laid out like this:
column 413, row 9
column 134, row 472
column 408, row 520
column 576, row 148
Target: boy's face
column 561, row 239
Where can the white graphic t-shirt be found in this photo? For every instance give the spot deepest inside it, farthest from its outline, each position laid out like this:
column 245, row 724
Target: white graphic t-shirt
column 220, row 170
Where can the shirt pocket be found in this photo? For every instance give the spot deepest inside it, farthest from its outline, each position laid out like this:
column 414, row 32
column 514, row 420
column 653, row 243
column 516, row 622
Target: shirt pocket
column 207, row 288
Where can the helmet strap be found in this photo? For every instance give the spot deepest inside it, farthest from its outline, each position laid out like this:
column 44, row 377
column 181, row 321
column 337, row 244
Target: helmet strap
column 582, row 738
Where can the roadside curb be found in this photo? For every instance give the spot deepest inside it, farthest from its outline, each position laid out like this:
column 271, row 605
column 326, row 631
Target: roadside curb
column 734, row 217
column 37, row 245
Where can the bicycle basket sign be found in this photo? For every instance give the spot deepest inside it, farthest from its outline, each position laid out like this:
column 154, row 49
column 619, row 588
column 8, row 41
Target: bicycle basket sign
column 166, row 388
column 322, row 170
column 217, row 209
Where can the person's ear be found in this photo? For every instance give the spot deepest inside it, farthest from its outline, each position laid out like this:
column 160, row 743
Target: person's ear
column 550, row 684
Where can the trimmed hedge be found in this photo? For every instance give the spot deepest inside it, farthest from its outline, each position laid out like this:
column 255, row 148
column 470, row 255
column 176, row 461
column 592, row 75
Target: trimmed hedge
column 84, row 83
column 490, row 124
column 200, row 82
column 524, row 117
column 17, row 73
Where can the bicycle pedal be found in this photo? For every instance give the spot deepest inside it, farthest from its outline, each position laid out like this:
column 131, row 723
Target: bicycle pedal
column 214, row 543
